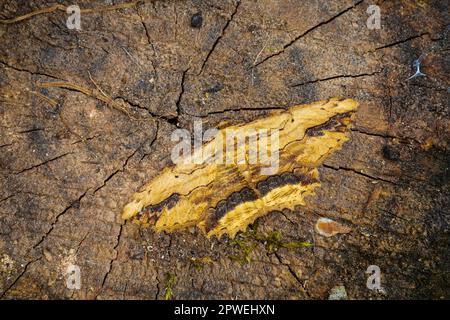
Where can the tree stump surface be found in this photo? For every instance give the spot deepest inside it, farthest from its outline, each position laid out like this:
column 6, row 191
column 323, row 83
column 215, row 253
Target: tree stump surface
column 70, row 160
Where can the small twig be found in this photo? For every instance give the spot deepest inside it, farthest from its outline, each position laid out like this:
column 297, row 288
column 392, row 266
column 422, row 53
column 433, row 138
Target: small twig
column 256, row 59
column 98, row 88
column 259, row 53
column 60, row 7
column 98, row 94
column 50, row 101
column 34, row 13
column 65, row 85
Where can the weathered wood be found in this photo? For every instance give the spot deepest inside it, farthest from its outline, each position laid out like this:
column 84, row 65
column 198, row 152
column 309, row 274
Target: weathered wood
column 70, row 159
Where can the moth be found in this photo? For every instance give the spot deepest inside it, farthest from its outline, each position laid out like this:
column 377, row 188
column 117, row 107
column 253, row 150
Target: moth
column 224, row 197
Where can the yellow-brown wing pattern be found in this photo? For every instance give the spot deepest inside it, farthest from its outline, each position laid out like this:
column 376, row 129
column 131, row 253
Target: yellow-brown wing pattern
column 224, row 198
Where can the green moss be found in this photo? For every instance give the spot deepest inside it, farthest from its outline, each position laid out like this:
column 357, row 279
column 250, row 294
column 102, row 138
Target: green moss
column 245, row 249
column 274, row 241
column 295, row 245
column 171, row 279
column 271, row 241
column 199, row 263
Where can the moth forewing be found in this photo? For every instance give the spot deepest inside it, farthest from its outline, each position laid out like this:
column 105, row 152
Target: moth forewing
column 245, row 171
column 268, row 147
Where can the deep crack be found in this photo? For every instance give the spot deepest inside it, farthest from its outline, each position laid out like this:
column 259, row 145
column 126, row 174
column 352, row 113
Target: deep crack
column 400, row 42
column 219, row 37
column 359, row 173
column 58, row 216
column 337, row 77
column 42, row 163
column 290, row 43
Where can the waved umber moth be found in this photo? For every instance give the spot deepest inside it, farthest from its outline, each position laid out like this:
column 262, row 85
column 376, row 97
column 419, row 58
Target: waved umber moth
column 225, row 198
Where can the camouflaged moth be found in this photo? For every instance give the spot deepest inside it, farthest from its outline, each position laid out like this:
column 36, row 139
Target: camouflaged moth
column 224, row 198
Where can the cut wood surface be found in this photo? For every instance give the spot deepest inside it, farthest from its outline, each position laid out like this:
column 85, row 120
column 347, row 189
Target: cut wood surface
column 86, row 122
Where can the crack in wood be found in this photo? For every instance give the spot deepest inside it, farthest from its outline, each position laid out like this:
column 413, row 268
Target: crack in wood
column 25, row 268
column 290, row 43
column 344, row 76
column 222, row 33
column 43, row 163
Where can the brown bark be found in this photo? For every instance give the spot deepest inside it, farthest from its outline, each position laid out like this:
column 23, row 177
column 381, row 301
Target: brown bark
column 71, row 157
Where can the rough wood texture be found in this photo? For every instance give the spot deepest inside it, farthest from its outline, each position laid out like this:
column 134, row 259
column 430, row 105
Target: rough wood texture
column 245, row 172
column 71, row 157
